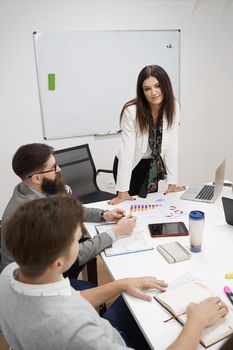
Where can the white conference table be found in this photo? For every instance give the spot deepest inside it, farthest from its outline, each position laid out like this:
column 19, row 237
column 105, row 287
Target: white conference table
column 210, row 265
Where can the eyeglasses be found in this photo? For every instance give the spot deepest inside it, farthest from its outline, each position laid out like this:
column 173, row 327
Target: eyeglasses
column 54, row 168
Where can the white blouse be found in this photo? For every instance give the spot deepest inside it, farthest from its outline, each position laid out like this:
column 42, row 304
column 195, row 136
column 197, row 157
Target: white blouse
column 134, row 146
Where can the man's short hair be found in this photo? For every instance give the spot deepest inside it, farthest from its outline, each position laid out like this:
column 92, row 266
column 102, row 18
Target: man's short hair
column 42, row 230
column 30, row 158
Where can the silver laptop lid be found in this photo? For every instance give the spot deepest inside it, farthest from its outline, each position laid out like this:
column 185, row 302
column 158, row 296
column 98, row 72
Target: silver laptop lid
column 192, row 193
column 219, row 179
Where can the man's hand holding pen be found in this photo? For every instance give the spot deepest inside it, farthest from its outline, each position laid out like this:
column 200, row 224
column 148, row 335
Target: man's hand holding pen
column 124, row 226
column 113, row 215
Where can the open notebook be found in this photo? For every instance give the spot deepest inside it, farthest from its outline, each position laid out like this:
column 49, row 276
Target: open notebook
column 176, row 301
column 136, row 242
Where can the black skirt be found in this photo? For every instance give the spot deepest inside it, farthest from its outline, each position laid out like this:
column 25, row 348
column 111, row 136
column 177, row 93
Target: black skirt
column 138, row 177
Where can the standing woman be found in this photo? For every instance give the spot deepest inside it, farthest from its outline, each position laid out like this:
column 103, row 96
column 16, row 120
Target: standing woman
column 149, row 138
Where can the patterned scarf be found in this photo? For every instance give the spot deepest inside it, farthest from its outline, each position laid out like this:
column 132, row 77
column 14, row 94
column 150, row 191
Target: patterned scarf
column 157, row 169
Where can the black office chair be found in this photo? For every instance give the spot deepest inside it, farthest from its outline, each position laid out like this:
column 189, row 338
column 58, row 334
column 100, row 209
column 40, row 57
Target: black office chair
column 79, row 172
column 0, row 238
column 1, row 267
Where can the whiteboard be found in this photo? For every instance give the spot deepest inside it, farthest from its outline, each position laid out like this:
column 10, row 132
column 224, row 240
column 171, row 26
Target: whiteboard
column 94, row 74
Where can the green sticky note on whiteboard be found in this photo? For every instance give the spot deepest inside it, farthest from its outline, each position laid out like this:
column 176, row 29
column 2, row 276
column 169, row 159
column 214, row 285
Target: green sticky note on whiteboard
column 51, row 81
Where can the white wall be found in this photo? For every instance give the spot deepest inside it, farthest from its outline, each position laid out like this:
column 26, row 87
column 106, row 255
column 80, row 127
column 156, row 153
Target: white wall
column 206, row 76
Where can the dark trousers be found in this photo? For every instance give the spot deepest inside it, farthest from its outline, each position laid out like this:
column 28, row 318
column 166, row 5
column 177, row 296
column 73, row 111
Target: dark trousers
column 120, row 318
column 76, row 268
column 138, row 176
column 81, row 285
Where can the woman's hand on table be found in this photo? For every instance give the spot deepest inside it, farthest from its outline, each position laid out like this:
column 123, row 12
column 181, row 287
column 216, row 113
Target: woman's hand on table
column 174, row 188
column 121, row 197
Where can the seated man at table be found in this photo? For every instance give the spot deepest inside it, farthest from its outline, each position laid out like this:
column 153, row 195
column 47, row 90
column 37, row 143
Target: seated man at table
column 41, row 176
column 50, row 314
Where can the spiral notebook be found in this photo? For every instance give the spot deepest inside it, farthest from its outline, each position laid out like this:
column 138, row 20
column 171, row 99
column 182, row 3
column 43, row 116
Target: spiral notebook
column 138, row 241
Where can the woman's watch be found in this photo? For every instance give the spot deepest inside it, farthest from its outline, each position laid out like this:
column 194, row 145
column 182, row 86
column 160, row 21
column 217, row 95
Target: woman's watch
column 102, row 215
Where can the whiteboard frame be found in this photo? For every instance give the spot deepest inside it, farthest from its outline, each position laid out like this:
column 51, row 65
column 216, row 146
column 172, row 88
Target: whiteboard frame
column 112, row 131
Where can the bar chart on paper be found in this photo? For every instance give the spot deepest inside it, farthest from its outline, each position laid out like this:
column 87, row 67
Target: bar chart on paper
column 160, row 207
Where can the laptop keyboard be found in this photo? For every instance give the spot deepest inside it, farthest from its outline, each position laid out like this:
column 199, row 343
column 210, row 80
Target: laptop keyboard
column 207, row 193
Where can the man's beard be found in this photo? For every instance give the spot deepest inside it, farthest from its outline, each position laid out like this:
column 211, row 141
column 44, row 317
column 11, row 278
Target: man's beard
column 55, row 186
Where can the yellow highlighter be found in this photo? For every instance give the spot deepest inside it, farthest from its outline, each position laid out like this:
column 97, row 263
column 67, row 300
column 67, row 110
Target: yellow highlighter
column 229, row 275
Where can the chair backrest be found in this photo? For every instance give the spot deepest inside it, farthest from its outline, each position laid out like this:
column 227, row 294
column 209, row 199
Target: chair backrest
column 1, row 267
column 78, row 169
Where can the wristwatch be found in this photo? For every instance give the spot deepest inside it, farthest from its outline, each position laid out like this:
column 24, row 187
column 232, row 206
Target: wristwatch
column 102, row 214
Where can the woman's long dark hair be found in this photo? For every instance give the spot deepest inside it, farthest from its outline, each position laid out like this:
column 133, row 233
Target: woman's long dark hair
column 142, row 105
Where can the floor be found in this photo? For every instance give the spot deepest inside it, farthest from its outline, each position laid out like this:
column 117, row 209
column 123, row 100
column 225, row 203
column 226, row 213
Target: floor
column 103, row 277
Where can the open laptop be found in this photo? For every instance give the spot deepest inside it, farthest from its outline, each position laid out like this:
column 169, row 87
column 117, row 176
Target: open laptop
column 228, row 209
column 207, row 193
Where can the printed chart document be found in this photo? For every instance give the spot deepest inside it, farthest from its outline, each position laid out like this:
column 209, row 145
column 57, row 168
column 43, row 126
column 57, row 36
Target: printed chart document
column 177, row 299
column 138, row 241
column 161, row 208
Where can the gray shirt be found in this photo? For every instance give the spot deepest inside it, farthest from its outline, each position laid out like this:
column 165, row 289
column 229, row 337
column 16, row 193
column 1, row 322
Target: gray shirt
column 53, row 317
column 88, row 249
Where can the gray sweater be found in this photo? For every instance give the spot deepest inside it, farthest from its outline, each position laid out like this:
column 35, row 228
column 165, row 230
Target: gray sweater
column 53, row 322
column 88, row 249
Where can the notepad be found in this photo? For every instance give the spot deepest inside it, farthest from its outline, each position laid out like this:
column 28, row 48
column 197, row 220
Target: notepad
column 177, row 299
column 138, row 241
column 173, row 252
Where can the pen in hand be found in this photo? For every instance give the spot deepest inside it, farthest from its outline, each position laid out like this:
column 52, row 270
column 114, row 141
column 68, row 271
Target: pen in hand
column 124, row 226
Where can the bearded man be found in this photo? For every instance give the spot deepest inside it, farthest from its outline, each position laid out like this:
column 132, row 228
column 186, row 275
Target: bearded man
column 41, row 177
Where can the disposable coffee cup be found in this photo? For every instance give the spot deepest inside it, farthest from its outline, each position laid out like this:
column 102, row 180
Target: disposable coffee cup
column 196, row 230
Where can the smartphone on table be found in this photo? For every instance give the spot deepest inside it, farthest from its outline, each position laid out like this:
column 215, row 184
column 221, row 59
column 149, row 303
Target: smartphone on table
column 168, row 229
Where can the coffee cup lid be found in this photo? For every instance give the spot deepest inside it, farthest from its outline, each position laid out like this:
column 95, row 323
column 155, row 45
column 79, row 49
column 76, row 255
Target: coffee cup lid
column 196, row 215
